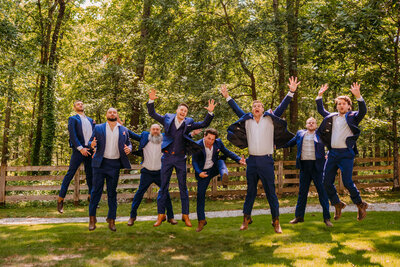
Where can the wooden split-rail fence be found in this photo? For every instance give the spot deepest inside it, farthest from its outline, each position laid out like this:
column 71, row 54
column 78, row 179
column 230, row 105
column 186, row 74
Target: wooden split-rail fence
column 17, row 183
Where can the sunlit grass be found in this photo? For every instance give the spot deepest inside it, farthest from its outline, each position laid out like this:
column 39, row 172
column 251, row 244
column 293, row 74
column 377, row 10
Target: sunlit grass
column 372, row 242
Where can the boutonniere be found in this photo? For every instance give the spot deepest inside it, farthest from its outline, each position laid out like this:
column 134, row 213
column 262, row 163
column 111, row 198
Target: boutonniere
column 217, row 150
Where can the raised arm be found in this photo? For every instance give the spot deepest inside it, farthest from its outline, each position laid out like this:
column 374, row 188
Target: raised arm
column 151, row 109
column 224, row 91
column 362, row 107
column 293, row 84
column 207, row 120
column 320, row 105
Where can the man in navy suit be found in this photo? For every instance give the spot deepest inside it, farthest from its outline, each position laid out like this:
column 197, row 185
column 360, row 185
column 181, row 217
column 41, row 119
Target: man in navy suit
column 80, row 128
column 310, row 160
column 150, row 150
column 205, row 164
column 111, row 141
column 339, row 131
column 260, row 131
column 176, row 144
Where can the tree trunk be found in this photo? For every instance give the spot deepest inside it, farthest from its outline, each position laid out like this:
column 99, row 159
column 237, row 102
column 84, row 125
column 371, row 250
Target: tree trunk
column 396, row 178
column 45, row 40
column 292, row 7
column 7, row 116
column 49, row 100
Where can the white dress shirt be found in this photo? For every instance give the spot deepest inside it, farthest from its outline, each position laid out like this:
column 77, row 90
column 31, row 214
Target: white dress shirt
column 209, row 152
column 177, row 123
column 111, row 150
column 152, row 156
column 260, row 136
column 340, row 132
column 308, row 147
column 86, row 129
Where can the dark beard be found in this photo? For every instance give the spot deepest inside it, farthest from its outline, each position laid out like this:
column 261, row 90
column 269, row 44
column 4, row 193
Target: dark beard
column 155, row 139
column 112, row 119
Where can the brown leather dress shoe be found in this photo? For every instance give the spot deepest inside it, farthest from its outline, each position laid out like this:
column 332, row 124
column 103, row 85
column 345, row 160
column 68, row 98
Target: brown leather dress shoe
column 131, row 221
column 362, row 210
column 338, row 210
column 246, row 221
column 201, row 225
column 328, row 222
column 111, row 224
column 92, row 223
column 297, row 220
column 225, row 179
column 185, row 218
column 60, row 205
column 172, row 221
column 160, row 219
column 277, row 226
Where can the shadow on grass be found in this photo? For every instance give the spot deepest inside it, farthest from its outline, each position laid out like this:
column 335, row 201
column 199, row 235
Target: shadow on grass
column 220, row 243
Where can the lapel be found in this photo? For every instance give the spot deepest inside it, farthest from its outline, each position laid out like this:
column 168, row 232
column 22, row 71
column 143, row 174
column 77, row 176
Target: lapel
column 169, row 119
column 104, row 132
column 203, row 148
column 300, row 145
column 79, row 124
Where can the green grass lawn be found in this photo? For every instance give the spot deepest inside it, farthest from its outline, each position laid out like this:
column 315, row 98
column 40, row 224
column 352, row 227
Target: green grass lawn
column 49, row 208
column 372, row 242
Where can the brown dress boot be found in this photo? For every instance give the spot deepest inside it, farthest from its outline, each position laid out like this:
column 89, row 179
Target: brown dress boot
column 111, row 224
column 60, row 204
column 131, row 221
column 201, row 225
column 172, row 221
column 185, row 218
column 362, row 210
column 296, row 220
column 328, row 222
column 160, row 219
column 92, row 223
column 246, row 221
column 338, row 210
column 277, row 226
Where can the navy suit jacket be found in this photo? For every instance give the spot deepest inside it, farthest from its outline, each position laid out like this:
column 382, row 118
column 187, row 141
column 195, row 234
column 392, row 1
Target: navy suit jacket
column 190, row 145
column 318, row 145
column 199, row 158
column 100, row 134
column 76, row 137
column 353, row 119
column 237, row 131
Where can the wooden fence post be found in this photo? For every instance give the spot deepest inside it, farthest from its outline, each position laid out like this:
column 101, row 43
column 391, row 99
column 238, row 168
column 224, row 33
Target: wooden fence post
column 214, row 187
column 77, row 179
column 280, row 176
column 3, row 173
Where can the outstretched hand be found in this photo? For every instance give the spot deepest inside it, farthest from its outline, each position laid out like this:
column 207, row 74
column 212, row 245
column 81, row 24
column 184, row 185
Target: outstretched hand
column 355, row 90
column 293, row 84
column 211, row 105
column 324, row 87
column 152, row 94
column 224, row 91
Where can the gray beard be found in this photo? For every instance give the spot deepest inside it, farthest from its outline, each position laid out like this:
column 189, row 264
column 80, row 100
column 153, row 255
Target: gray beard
column 155, row 139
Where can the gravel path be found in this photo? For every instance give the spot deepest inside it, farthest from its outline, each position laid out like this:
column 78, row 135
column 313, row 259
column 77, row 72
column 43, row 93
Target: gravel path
column 211, row 214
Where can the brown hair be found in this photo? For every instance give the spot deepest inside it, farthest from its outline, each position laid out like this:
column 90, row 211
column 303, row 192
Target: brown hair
column 345, row 98
column 76, row 101
column 257, row 101
column 211, row 131
column 183, row 104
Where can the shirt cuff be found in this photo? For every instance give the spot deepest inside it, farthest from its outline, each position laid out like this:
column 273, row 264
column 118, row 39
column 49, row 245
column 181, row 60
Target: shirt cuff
column 318, row 97
column 228, row 98
column 211, row 113
column 151, row 101
column 290, row 94
column 360, row 98
column 79, row 148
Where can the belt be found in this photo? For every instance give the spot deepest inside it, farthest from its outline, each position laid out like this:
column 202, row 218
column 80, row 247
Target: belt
column 173, row 152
